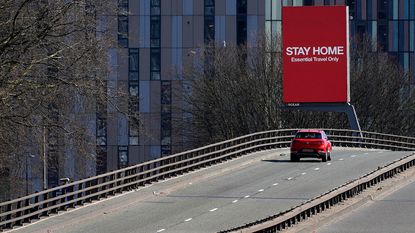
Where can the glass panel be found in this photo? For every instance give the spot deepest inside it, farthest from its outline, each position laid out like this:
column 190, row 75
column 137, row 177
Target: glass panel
column 155, row 27
column 297, row 2
column 241, row 6
column 155, row 60
column 133, row 141
column 122, row 156
column 274, row 9
column 155, row 11
column 155, row 3
column 210, row 10
column 132, row 75
column 241, row 30
column 155, row 75
column 411, row 36
column 374, row 33
column 268, row 9
column 133, row 60
column 133, row 90
column 209, row 29
column 123, row 7
column 166, row 92
column 165, row 150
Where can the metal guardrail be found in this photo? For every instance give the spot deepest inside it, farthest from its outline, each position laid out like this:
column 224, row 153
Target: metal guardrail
column 31, row 207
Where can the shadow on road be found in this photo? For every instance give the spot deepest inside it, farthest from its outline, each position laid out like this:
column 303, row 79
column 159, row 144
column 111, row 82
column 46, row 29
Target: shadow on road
column 288, row 161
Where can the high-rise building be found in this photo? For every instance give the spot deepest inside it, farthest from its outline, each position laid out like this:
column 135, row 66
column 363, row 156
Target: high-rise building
column 156, row 39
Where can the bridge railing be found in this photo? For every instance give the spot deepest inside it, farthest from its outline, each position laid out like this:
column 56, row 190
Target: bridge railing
column 25, row 209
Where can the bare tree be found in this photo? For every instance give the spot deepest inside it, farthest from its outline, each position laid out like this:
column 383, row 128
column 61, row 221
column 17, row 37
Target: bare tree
column 233, row 91
column 53, row 70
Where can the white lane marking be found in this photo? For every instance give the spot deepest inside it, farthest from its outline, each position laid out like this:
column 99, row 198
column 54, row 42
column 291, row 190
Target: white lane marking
column 275, row 184
column 161, row 230
column 213, row 209
column 190, row 183
column 341, row 159
column 303, row 173
column 316, row 169
column 189, row 219
column 328, row 164
column 246, row 196
column 353, row 156
column 289, row 178
column 235, row 201
column 261, row 190
column 366, row 153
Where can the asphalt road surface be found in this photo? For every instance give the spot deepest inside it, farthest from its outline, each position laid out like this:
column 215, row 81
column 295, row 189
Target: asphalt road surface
column 391, row 214
column 259, row 185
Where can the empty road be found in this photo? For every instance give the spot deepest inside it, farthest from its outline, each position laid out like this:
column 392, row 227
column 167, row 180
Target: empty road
column 219, row 197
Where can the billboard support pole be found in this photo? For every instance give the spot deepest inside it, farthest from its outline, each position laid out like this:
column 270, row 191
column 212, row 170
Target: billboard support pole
column 331, row 107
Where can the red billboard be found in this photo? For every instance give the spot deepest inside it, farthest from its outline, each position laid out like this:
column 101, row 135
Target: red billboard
column 315, row 49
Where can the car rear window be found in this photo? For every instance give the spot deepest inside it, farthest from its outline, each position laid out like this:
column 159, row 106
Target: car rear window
column 311, row 135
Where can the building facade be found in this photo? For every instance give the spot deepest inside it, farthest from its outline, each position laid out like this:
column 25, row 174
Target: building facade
column 156, row 39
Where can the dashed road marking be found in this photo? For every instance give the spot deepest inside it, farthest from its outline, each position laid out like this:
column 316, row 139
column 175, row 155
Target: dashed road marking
column 246, row 196
column 289, row 178
column 275, row 184
column 261, row 190
column 213, row 209
column 341, row 159
column 316, row 169
column 366, row 153
column 353, row 156
column 303, row 173
column 328, row 164
column 161, row 230
column 187, row 220
column 235, row 201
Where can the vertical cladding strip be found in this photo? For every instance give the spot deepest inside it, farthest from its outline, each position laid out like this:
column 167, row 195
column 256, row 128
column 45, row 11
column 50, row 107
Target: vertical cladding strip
column 348, row 53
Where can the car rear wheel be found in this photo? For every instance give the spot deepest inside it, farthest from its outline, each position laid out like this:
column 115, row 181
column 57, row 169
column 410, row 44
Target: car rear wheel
column 294, row 158
column 329, row 155
column 324, row 157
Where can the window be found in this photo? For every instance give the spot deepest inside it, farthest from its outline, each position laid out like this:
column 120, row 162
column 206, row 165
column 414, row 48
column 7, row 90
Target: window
column 165, row 92
column 209, row 29
column 165, row 150
column 133, row 131
column 166, row 128
column 241, row 30
column 209, row 21
column 155, row 64
column 101, row 160
column 155, row 7
column 210, row 7
column 241, row 7
column 123, row 7
column 308, row 135
column 155, row 34
column 155, row 31
column 352, row 7
column 101, row 130
column 122, row 156
column 123, row 31
column 133, row 60
column 133, row 90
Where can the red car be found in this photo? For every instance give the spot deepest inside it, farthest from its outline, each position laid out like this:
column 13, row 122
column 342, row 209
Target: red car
column 310, row 143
